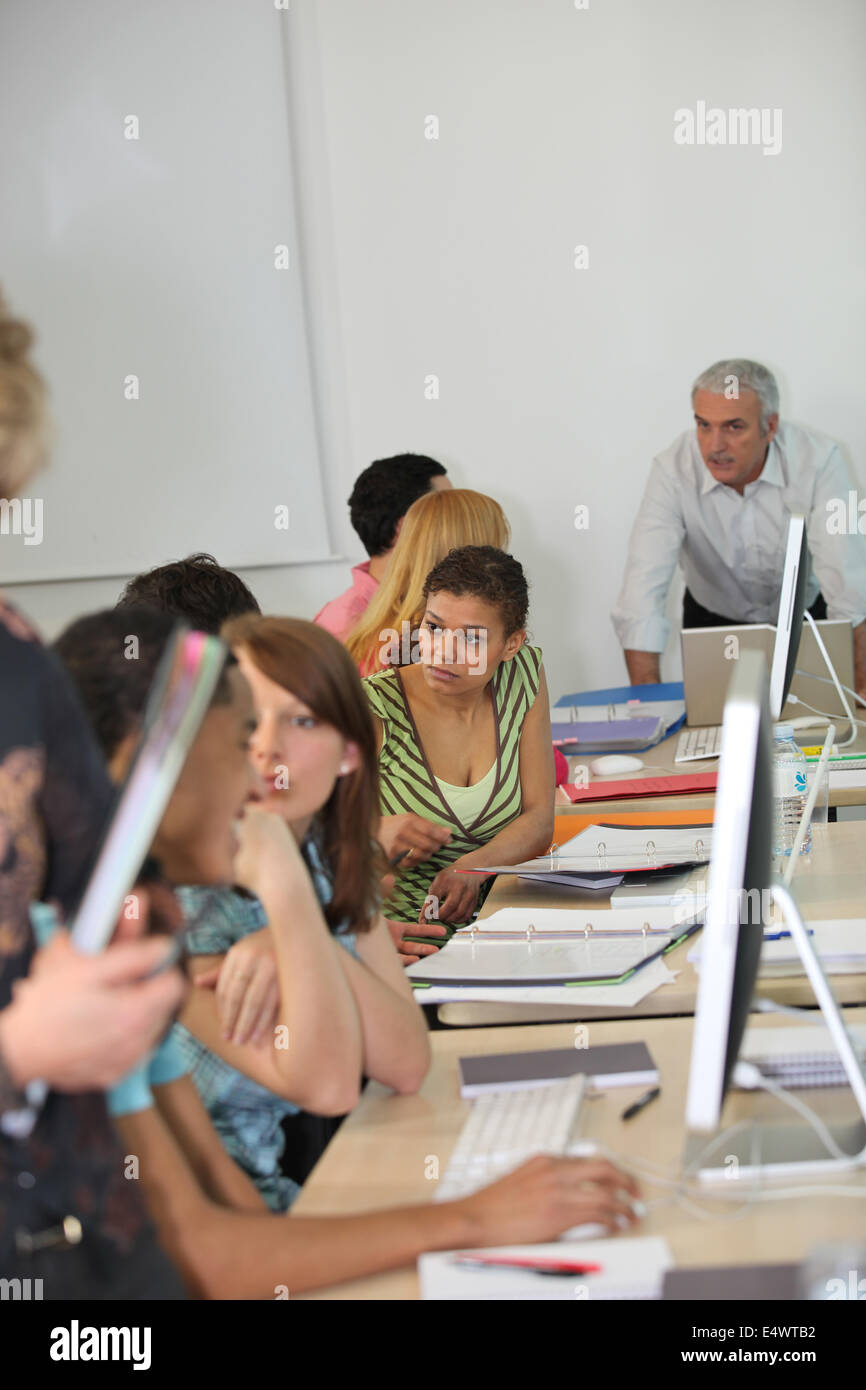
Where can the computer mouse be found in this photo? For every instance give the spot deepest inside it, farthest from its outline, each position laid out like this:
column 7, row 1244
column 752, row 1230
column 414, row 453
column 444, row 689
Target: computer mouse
column 612, row 763
column 593, row 1230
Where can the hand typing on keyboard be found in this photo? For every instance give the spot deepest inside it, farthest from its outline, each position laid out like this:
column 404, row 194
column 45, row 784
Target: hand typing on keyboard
column 549, row 1193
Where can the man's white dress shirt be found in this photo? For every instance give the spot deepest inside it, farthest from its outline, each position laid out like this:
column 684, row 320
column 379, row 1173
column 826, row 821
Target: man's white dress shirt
column 732, row 548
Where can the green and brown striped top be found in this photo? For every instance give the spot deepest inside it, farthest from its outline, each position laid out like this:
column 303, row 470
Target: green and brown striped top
column 407, row 782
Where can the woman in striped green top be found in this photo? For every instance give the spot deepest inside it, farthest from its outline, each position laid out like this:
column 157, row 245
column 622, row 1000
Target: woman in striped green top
column 465, row 758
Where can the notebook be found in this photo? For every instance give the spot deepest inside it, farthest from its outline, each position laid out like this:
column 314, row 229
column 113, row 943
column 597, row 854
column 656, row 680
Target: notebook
column 603, row 849
column 601, row 959
column 569, row 923
column 611, row 1064
column 630, row 1268
column 603, row 735
column 800, row 1056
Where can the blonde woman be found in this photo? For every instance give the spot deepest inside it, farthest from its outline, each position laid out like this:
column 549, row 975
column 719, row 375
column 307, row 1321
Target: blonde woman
column 434, row 525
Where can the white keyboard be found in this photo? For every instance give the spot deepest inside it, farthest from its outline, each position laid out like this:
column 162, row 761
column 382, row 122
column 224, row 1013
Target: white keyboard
column 505, row 1128
column 699, row 743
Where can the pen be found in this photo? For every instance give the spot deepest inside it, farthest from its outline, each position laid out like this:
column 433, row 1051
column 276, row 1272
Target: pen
column 777, row 935
column 532, row 1265
column 398, row 858
column 638, row 1105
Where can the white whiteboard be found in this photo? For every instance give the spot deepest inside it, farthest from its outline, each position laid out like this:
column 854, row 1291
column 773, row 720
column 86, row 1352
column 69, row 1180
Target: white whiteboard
column 155, row 258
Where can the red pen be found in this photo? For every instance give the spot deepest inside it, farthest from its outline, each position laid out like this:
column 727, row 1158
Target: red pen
column 533, row 1264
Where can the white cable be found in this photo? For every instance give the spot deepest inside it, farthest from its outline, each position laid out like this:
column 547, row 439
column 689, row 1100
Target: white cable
column 797, row 700
column 807, row 1113
column 832, row 670
column 810, row 675
column 770, row 1006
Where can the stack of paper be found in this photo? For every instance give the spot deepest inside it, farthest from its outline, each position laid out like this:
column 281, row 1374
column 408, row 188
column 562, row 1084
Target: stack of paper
column 600, row 852
column 840, row 944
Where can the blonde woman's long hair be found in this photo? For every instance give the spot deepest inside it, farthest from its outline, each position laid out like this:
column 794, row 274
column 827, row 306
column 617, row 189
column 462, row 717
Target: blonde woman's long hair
column 437, row 523
column 22, row 406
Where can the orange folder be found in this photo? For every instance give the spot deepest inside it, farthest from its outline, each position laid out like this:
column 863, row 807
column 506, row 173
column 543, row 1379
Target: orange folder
column 566, row 827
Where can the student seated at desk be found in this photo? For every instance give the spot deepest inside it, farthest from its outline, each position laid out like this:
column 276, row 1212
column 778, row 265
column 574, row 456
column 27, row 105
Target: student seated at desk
column 211, row 1218
column 380, row 499
column 197, row 589
column 387, row 633
column 310, row 994
column 464, row 743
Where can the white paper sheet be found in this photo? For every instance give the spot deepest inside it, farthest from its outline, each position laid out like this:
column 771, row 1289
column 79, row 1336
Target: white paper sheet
column 630, row 1268
column 839, row 942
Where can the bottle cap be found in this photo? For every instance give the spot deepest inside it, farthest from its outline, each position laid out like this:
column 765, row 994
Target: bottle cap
column 783, row 731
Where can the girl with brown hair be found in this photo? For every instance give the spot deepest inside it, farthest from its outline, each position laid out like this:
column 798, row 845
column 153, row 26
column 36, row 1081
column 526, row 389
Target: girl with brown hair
column 310, row 949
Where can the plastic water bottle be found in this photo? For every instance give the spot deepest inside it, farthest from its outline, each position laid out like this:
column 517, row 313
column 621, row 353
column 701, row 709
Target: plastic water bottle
column 790, row 790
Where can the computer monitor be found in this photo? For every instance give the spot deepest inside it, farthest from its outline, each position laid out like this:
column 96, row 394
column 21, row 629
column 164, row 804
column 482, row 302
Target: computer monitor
column 792, row 609
column 739, row 891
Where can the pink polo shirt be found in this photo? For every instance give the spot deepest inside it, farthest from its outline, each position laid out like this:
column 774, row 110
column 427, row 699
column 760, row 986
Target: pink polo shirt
column 341, row 614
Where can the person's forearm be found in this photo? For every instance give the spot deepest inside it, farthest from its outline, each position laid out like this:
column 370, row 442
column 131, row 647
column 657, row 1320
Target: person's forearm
column 643, row 667
column 323, row 1058
column 228, row 1254
column 860, row 658
column 181, row 1110
column 527, row 836
column 394, row 1032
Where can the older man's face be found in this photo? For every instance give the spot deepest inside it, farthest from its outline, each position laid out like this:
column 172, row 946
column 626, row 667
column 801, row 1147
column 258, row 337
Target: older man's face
column 729, row 436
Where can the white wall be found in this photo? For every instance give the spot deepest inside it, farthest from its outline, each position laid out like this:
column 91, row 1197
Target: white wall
column 455, row 257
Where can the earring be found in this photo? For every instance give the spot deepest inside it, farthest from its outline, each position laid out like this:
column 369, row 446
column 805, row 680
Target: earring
column 343, row 769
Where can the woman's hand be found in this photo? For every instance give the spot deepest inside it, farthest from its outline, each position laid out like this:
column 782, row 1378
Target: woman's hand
column 411, row 951
column 267, row 852
column 411, row 837
column 454, row 896
column 546, row 1196
column 247, row 988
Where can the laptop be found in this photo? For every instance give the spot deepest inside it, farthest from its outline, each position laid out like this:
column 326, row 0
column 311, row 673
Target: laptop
column 708, row 663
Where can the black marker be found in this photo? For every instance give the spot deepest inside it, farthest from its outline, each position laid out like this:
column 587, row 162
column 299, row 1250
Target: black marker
column 638, row 1105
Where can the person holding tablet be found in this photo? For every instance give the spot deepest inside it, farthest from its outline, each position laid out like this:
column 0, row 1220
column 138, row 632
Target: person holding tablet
column 74, row 1022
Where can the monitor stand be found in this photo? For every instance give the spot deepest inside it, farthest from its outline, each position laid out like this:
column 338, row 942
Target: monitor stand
column 766, row 1151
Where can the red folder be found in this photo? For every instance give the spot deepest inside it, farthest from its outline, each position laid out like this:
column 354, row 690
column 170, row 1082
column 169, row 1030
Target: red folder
column 681, row 784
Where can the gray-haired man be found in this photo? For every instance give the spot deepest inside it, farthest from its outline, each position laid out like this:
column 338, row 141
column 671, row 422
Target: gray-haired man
column 718, row 501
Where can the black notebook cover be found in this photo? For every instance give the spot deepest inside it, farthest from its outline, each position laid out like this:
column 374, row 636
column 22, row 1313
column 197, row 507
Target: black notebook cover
column 614, row 1064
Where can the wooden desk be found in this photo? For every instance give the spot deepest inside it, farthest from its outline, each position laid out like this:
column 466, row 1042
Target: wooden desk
column 659, row 761
column 830, row 882
column 382, row 1151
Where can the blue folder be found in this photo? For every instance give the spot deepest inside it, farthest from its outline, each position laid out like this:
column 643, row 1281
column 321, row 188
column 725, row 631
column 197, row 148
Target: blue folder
column 666, row 690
